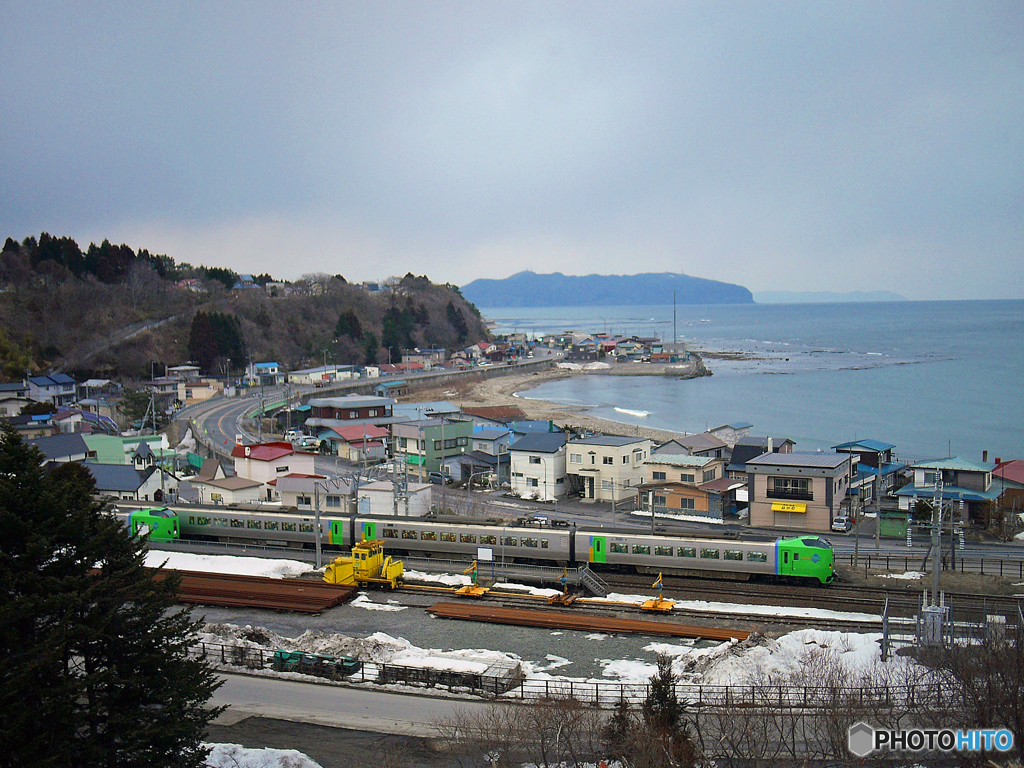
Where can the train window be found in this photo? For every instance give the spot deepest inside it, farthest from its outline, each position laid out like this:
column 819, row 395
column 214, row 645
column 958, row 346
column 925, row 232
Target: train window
column 448, row 537
column 467, row 538
column 796, row 555
column 618, row 549
column 709, row 554
column 686, row 552
column 641, row 549
column 543, row 543
column 665, row 551
column 305, row 527
column 236, row 523
column 288, row 527
column 819, row 543
column 219, row 522
column 733, row 554
column 757, row 557
column 253, row 524
column 202, row 521
column 271, row 525
column 510, row 541
column 390, row 533
column 488, row 539
column 409, row 535
column 428, row 535
column 529, row 542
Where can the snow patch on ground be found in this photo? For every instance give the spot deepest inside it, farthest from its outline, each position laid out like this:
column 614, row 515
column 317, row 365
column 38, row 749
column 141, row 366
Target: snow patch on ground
column 363, row 601
column 237, row 756
column 237, row 566
column 908, row 575
column 445, row 579
column 681, row 518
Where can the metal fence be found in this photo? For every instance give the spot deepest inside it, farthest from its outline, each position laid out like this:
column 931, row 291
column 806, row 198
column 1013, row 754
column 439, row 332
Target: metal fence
column 930, row 695
column 985, row 566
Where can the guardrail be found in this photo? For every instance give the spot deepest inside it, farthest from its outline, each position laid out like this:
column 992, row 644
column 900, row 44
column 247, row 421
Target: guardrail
column 985, row 566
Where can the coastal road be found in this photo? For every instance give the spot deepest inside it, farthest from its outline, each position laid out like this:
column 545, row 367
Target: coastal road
column 334, row 706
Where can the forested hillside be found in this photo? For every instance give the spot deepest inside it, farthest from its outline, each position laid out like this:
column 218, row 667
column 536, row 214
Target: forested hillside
column 113, row 312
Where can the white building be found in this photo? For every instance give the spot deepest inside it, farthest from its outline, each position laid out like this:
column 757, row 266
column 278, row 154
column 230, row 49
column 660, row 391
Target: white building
column 538, row 466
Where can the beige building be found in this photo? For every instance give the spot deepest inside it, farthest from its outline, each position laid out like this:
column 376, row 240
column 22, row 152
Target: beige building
column 798, row 491
column 607, row 467
column 678, row 468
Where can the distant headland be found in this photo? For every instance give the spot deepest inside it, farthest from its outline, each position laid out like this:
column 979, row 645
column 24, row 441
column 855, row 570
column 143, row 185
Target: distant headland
column 529, row 289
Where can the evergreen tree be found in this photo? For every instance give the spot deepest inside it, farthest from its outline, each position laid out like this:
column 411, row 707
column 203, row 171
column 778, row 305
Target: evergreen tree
column 663, row 717
column 348, row 325
column 618, row 731
column 96, row 669
column 370, row 348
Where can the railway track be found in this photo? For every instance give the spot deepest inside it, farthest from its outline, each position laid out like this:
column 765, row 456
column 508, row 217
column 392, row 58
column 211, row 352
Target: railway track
column 903, row 602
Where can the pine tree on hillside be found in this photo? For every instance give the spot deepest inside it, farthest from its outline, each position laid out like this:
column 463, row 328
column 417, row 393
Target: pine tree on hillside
column 96, row 669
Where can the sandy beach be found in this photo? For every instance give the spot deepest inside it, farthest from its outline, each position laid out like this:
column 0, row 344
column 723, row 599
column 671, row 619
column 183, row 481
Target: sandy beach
column 501, row 391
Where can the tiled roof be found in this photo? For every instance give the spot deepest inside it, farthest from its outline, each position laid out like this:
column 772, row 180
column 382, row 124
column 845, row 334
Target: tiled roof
column 679, row 460
column 1012, row 470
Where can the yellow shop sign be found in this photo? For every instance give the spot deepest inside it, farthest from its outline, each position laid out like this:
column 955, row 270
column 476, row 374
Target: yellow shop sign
column 788, row 506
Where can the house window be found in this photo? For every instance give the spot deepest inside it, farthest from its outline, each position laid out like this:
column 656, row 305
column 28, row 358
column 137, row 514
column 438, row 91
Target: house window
column 575, row 458
column 790, row 488
column 709, row 475
column 625, row 459
column 659, row 501
column 517, row 474
column 533, row 482
column 929, row 478
column 685, row 478
column 353, row 414
column 281, row 469
column 301, row 500
column 607, row 485
column 535, row 459
column 658, row 476
column 607, row 460
column 462, row 440
column 685, row 503
column 334, row 501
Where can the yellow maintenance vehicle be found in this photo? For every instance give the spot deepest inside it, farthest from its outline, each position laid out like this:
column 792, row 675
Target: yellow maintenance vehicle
column 366, row 565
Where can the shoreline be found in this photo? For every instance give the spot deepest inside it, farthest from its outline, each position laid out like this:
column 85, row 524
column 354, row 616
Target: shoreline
column 504, row 391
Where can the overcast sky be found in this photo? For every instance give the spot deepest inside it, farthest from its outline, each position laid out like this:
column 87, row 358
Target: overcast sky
column 780, row 145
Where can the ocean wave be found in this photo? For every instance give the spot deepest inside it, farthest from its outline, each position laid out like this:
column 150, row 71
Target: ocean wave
column 633, row 413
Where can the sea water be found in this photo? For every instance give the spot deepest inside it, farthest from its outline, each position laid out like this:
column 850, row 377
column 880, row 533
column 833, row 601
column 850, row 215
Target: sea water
column 933, row 378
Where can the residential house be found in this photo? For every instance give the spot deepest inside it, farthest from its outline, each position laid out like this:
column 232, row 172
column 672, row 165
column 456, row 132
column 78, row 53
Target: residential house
column 607, row 467
column 359, row 443
column 323, row 375
column 797, row 491
column 57, row 388
column 875, row 471
column 31, row 427
column 13, row 397
column 378, row 498
column 391, row 389
column 714, row 499
column 268, row 374
column 348, row 410
column 682, row 468
column 538, row 465
column 265, row 462
column 60, row 449
column 228, row 490
column 118, row 449
column 124, row 481
column 967, row 484
column 426, row 443
column 428, row 358
column 302, row 492
column 495, row 415
column 489, row 456
column 747, row 448
column 732, row 433
column 1008, row 479
column 183, row 372
column 705, row 444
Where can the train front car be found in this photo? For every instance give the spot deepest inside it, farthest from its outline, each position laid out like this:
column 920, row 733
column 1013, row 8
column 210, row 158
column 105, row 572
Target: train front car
column 805, row 557
column 158, row 524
